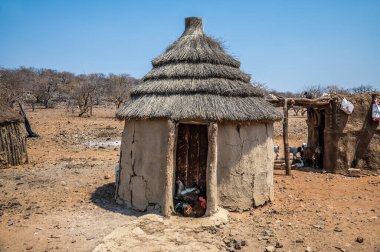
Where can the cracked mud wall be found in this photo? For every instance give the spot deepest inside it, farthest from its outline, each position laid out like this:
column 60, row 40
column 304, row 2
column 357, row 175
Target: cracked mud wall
column 143, row 164
column 245, row 165
column 351, row 141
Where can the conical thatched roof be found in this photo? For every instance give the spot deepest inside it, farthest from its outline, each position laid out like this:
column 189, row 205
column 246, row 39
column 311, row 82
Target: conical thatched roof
column 7, row 114
column 196, row 79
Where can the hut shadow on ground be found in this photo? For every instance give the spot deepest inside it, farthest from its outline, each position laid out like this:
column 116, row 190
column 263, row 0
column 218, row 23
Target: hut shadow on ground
column 104, row 197
column 280, row 171
column 309, row 169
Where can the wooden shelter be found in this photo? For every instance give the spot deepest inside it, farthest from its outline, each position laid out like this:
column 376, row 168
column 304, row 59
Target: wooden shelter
column 195, row 117
column 12, row 137
column 346, row 141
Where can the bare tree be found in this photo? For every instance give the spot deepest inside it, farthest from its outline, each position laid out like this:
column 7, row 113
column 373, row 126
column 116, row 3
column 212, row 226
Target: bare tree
column 260, row 87
column 46, row 86
column 100, row 81
column 9, row 86
column 316, row 90
column 287, row 94
column 363, row 89
column 82, row 91
column 334, row 89
column 120, row 87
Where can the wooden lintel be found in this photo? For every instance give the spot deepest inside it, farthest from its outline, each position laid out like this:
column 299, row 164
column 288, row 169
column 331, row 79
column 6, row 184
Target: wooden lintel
column 303, row 102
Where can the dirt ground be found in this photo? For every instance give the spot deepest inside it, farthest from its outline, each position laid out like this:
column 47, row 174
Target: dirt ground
column 62, row 200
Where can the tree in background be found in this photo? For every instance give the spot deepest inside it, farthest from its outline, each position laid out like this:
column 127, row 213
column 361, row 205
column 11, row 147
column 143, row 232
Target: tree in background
column 47, row 86
column 82, row 91
column 260, row 87
column 315, row 90
column 318, row 90
column 334, row 89
column 363, row 89
column 10, row 86
column 119, row 88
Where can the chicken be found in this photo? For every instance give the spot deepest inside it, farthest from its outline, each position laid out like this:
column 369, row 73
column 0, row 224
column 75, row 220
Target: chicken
column 188, row 202
column 189, row 194
column 199, row 208
column 180, row 187
column 184, row 208
column 186, row 194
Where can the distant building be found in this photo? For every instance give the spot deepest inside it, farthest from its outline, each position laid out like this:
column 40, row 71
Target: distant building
column 347, row 141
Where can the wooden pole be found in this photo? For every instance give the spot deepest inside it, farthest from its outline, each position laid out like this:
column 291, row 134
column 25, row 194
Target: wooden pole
column 285, row 136
column 211, row 173
column 168, row 199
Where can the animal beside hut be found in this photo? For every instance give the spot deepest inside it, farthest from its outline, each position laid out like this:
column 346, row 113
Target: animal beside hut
column 13, row 150
column 195, row 118
column 294, row 151
column 276, row 149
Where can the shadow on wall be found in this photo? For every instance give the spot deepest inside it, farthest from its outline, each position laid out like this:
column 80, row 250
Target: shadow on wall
column 104, row 197
column 363, row 140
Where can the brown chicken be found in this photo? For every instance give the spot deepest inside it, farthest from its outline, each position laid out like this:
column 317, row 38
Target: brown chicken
column 199, row 208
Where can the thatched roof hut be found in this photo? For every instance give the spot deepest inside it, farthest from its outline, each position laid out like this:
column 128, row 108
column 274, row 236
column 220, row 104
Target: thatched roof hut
column 195, row 117
column 12, row 137
column 195, row 79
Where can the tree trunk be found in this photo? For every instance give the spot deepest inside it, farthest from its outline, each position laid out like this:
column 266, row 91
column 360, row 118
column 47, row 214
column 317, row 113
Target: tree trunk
column 27, row 124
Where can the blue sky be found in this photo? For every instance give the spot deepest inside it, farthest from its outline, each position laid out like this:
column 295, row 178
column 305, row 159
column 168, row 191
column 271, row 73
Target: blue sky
column 286, row 44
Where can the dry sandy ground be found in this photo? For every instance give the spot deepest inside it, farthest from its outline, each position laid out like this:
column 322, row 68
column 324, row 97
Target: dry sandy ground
column 62, row 200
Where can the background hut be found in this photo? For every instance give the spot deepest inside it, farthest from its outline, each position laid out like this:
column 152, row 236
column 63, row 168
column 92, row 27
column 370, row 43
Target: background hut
column 196, row 117
column 12, row 137
column 347, row 141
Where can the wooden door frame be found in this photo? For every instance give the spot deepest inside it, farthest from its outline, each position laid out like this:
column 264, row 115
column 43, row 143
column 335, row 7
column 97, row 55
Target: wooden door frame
column 211, row 170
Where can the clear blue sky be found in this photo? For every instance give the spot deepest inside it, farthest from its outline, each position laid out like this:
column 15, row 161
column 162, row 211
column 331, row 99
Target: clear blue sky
column 286, row 44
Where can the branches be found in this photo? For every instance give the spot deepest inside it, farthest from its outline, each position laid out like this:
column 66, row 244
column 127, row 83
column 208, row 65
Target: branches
column 48, row 87
column 318, row 90
column 120, row 88
column 364, row 89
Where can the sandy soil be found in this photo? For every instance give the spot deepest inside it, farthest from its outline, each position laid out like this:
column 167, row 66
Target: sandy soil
column 62, row 200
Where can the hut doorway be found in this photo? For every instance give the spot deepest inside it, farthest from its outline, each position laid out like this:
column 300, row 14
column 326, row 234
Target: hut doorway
column 321, row 143
column 316, row 136
column 191, row 164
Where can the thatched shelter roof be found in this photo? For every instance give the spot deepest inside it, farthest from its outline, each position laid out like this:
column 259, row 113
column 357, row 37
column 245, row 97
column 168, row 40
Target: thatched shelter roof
column 196, row 79
column 7, row 114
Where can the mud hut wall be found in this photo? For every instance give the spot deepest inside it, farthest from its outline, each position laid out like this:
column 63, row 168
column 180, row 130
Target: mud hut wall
column 13, row 149
column 245, row 165
column 143, row 164
column 351, row 141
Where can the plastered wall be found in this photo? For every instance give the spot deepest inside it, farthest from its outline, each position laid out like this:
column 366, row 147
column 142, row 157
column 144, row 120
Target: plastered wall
column 143, row 164
column 245, row 165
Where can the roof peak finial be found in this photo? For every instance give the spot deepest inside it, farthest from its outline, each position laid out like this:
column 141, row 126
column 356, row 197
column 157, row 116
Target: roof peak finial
column 193, row 24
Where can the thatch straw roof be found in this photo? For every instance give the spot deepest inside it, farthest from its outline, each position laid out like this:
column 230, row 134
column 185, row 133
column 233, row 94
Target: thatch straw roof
column 196, row 79
column 7, row 114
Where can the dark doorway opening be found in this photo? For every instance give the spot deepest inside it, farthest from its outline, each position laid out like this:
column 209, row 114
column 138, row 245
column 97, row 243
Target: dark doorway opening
column 321, row 143
column 190, row 173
